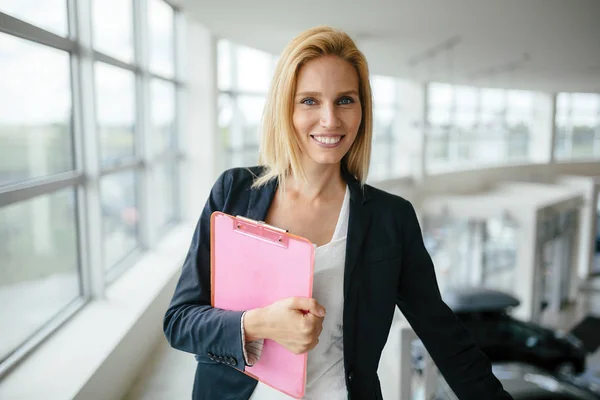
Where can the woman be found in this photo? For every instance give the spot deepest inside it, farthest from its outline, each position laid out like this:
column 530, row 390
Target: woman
column 370, row 258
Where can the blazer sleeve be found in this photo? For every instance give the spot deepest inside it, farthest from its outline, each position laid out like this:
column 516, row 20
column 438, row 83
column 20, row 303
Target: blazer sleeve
column 466, row 369
column 190, row 323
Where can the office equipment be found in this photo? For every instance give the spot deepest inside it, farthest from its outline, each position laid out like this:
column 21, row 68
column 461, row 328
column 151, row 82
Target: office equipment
column 253, row 265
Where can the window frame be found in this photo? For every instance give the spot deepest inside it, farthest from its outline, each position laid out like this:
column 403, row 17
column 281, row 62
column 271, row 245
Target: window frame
column 85, row 178
column 234, row 93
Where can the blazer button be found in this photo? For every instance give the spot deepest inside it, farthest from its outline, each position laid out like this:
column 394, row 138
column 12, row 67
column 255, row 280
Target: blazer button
column 350, row 376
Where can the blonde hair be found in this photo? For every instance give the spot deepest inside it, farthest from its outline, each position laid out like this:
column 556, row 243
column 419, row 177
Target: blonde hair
column 279, row 146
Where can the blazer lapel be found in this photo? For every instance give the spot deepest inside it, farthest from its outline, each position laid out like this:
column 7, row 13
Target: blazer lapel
column 358, row 224
column 260, row 201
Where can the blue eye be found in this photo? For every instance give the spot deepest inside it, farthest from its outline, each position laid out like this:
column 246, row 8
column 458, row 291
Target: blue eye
column 309, row 102
column 346, row 100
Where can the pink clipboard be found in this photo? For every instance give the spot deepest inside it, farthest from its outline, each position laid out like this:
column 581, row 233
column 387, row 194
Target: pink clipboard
column 253, row 265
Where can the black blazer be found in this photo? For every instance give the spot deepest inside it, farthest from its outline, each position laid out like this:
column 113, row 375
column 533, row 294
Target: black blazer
column 386, row 266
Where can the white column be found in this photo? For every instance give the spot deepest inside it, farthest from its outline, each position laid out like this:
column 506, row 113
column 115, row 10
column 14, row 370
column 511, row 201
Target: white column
column 586, row 224
column 204, row 151
column 527, row 271
column 541, row 145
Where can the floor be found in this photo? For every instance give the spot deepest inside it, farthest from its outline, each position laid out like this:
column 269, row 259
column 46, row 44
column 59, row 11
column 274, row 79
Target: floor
column 169, row 375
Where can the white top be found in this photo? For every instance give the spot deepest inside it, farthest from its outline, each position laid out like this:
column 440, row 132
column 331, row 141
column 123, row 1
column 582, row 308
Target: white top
column 325, row 370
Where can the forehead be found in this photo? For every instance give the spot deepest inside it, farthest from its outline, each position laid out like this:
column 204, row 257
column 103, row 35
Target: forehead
column 327, row 72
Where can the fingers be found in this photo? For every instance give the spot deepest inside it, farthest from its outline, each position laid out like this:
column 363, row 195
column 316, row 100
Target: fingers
column 310, row 305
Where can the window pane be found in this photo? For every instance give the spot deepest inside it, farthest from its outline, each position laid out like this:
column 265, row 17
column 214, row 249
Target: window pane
column 466, row 98
column 49, row 14
column 251, row 108
column 384, row 90
column 38, row 264
column 165, row 192
column 563, row 102
column 224, row 119
column 465, row 118
column 583, row 141
column 519, row 100
column 120, row 216
column 439, row 117
column 115, row 102
column 113, row 28
column 586, row 103
column 162, row 40
column 589, row 121
column 253, row 70
column 251, row 156
column 163, row 115
column 35, row 111
column 224, row 64
column 383, row 123
column 440, row 94
column 380, row 160
column 492, row 101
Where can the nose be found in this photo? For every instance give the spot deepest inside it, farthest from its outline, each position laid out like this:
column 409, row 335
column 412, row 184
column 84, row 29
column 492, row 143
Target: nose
column 329, row 117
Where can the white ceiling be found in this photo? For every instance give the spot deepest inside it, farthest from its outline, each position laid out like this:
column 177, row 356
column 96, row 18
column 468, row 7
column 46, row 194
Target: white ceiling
column 550, row 45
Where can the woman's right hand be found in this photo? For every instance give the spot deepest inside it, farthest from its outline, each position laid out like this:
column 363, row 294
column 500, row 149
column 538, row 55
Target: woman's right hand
column 295, row 323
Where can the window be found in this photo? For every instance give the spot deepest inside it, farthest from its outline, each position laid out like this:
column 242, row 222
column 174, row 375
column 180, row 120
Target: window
column 39, row 275
column 113, row 28
column 164, row 190
column 385, row 110
column 120, row 217
column 470, row 127
column 35, row 111
column 88, row 155
column 49, row 14
column 162, row 50
column 577, row 126
column 225, row 64
column 163, row 116
column 115, row 110
column 244, row 75
column 390, row 154
column 254, row 70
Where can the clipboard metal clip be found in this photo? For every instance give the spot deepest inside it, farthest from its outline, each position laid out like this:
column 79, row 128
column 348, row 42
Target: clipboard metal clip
column 261, row 230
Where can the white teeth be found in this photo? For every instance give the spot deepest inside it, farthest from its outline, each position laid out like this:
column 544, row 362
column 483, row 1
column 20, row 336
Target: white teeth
column 327, row 140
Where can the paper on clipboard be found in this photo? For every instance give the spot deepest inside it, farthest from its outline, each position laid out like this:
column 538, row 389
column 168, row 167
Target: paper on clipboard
column 253, row 265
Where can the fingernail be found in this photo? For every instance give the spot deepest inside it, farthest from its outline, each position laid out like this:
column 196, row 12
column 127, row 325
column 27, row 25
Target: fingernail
column 322, row 312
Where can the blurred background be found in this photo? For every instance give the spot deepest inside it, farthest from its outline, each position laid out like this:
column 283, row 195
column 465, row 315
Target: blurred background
column 116, row 116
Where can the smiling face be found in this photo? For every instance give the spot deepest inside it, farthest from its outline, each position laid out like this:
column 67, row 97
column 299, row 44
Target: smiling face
column 327, row 111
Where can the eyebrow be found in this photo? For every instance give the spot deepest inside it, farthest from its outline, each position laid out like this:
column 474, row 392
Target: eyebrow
column 316, row 94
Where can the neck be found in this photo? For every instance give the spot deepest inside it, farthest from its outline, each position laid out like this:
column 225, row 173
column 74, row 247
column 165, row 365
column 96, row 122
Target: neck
column 321, row 181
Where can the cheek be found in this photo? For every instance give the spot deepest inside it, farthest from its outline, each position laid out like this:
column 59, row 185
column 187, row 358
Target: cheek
column 354, row 121
column 301, row 122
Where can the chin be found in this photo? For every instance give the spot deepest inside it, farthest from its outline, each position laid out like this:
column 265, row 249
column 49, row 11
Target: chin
column 327, row 160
